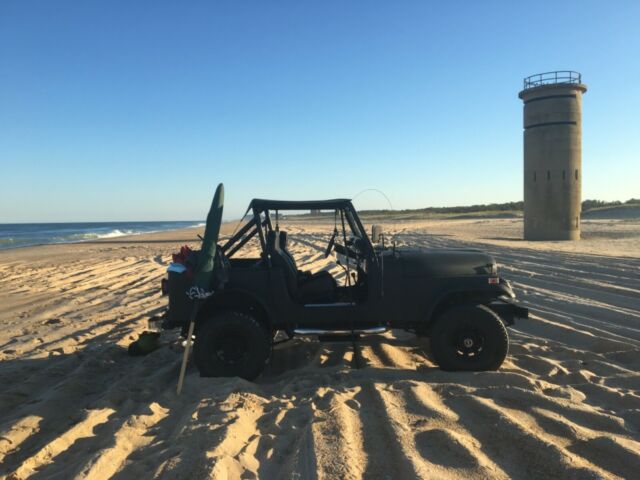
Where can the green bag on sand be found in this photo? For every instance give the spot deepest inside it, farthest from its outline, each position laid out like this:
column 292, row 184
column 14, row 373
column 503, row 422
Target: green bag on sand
column 147, row 342
column 206, row 259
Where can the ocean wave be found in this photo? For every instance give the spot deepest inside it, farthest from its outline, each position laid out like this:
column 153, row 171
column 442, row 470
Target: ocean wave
column 95, row 235
column 120, row 233
column 12, row 236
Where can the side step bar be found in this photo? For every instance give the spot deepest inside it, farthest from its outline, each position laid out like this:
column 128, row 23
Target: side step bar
column 361, row 331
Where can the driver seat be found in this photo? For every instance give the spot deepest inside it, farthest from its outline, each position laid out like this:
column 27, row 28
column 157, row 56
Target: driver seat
column 303, row 275
column 304, row 288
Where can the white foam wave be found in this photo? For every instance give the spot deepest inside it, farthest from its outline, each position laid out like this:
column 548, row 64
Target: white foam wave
column 118, row 233
column 95, row 235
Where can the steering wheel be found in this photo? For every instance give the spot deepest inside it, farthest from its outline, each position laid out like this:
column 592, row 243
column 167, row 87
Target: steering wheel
column 346, row 251
column 332, row 242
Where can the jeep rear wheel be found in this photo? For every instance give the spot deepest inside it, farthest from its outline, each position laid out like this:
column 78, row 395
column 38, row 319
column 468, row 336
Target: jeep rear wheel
column 232, row 344
column 469, row 337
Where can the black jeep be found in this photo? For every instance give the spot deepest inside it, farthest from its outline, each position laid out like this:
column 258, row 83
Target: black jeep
column 453, row 296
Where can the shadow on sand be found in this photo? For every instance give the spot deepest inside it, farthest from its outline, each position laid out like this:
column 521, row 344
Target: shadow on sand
column 62, row 412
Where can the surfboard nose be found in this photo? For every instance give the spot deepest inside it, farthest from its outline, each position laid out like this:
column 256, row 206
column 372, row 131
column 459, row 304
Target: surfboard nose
column 206, row 258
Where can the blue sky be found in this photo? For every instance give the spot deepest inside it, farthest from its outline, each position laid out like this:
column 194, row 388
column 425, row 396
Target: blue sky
column 126, row 110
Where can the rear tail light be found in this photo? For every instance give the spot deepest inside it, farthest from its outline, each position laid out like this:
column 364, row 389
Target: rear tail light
column 494, row 280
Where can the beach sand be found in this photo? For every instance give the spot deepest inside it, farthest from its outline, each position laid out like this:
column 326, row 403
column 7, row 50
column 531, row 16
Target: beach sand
column 566, row 403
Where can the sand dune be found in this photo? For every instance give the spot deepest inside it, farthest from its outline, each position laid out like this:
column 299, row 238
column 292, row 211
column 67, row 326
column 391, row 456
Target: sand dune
column 566, row 403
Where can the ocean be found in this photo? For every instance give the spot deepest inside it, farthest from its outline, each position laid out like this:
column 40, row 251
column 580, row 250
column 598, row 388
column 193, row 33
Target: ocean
column 13, row 235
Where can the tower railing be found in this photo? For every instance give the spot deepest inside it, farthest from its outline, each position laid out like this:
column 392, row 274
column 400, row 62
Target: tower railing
column 550, row 78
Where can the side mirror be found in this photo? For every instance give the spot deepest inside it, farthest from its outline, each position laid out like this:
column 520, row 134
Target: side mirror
column 376, row 233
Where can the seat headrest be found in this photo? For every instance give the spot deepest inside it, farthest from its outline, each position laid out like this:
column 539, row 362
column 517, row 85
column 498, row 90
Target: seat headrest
column 271, row 240
column 282, row 241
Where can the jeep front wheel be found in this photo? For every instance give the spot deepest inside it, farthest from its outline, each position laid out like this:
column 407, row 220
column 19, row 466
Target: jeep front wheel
column 232, row 344
column 469, row 337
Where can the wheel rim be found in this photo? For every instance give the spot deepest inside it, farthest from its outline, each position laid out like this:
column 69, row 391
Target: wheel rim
column 230, row 349
column 469, row 343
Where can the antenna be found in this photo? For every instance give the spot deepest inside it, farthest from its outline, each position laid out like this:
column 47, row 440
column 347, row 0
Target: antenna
column 374, row 190
column 393, row 220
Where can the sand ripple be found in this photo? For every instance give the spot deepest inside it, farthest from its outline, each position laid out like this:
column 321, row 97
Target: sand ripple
column 566, row 404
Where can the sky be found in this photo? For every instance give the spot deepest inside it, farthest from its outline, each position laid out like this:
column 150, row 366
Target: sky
column 120, row 110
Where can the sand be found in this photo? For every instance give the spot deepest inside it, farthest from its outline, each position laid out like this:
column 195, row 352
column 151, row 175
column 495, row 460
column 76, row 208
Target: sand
column 566, row 403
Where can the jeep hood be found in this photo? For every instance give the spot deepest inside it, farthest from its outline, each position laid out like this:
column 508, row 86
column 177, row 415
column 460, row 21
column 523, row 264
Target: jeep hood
column 445, row 263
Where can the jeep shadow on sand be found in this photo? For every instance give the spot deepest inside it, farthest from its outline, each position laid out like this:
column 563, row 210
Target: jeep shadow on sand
column 454, row 296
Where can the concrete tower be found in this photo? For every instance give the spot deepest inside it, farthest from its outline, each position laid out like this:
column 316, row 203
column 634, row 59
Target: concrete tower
column 552, row 155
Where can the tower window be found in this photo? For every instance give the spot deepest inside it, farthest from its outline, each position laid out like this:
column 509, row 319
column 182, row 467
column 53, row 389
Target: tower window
column 576, row 174
column 548, row 174
column 534, row 176
column 563, row 175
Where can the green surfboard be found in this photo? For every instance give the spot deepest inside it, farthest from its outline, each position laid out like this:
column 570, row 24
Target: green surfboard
column 206, row 258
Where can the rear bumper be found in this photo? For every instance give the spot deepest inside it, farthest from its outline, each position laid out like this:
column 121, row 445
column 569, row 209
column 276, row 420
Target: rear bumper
column 508, row 311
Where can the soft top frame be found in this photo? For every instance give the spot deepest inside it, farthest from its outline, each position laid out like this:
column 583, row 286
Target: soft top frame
column 260, row 220
column 260, row 205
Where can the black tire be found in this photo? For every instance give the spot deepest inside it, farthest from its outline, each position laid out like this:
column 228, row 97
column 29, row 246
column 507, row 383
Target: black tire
column 469, row 338
column 232, row 344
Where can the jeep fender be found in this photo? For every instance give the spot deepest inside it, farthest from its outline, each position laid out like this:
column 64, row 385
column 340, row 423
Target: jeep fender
column 451, row 296
column 236, row 299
